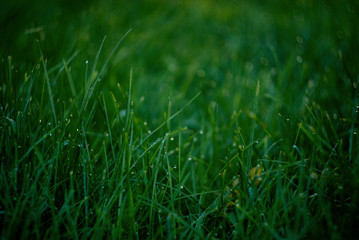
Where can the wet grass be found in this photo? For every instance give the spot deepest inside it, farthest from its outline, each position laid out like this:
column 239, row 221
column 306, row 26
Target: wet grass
column 211, row 120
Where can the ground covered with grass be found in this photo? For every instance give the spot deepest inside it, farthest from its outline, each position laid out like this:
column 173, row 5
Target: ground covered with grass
column 179, row 119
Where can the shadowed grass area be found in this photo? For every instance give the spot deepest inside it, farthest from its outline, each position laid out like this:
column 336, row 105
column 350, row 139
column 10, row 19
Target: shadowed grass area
column 179, row 120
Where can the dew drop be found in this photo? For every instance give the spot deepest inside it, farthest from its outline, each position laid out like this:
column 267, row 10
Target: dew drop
column 299, row 59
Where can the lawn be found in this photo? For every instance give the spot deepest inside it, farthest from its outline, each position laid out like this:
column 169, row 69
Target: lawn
column 179, row 119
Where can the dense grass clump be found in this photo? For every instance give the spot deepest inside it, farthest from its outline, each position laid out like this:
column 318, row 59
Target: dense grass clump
column 179, row 120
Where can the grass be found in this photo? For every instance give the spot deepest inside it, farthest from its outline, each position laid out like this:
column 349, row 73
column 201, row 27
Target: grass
column 175, row 120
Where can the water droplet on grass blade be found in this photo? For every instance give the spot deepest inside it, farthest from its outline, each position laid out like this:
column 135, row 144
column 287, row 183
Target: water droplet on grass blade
column 299, row 59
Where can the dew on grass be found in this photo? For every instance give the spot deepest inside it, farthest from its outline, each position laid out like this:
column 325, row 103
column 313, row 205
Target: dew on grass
column 172, row 139
column 201, row 132
column 181, row 187
column 201, row 73
column 299, row 39
column 189, row 159
column 249, row 66
column 313, row 195
column 299, row 59
column 145, row 123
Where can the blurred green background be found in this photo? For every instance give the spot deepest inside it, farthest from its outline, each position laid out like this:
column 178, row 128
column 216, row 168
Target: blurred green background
column 179, row 48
